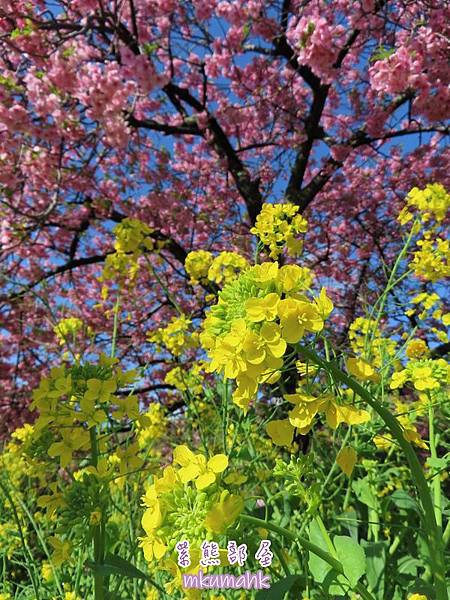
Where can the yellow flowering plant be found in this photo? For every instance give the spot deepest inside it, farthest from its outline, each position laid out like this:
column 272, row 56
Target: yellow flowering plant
column 267, row 433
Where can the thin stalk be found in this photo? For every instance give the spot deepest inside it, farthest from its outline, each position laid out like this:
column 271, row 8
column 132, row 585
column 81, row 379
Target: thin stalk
column 279, row 553
column 326, row 537
column 99, row 588
column 391, row 284
column 115, row 326
column 225, row 414
column 446, row 534
column 436, row 482
column 334, row 465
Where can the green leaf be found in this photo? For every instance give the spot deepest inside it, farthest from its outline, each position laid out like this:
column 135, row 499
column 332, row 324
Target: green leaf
column 319, row 569
column 115, row 565
column 404, row 501
column 365, row 494
column 335, row 585
column 150, row 48
column 439, row 463
column 352, row 558
column 349, row 519
column 381, row 53
column 278, row 589
column 375, row 562
column 408, row 565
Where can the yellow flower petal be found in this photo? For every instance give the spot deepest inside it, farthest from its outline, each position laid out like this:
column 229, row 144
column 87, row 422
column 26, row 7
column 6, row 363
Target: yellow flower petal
column 218, row 463
column 183, row 456
column 205, row 480
column 346, row 459
column 281, row 432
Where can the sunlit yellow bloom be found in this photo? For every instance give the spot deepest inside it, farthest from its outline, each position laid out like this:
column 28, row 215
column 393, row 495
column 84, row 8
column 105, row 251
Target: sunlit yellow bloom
column 226, row 266
column 197, row 264
column 73, row 439
column 324, row 304
column 224, row 512
column 294, row 278
column 362, row 370
column 279, row 226
column 297, row 318
column 422, row 377
column 265, row 274
column 398, row 379
column 195, row 467
column 280, row 431
column 262, row 309
column 337, row 413
column 413, row 436
column 417, row 349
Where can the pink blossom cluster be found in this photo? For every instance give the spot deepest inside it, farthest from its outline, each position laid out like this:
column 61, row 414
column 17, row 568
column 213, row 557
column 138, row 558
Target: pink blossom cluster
column 189, row 115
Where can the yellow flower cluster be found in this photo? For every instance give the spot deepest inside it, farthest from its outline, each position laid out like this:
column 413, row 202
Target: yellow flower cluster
column 175, row 336
column 432, row 202
column 406, row 414
column 152, row 425
column 247, row 332
column 302, row 416
column 202, row 266
column 425, row 375
column 72, row 400
column 19, row 458
column 431, row 302
column 67, row 329
column 367, row 341
column 226, row 267
column 186, row 498
column 417, row 349
column 279, row 226
column 9, row 541
column 197, row 265
column 132, row 237
column 184, row 380
column 432, row 261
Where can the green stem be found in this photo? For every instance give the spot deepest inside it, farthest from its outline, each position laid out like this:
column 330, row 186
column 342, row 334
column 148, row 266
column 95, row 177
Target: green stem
column 436, row 483
column 393, row 547
column 99, row 588
column 328, row 558
column 225, row 414
column 446, row 534
column 334, row 465
column 391, row 284
column 115, row 326
column 326, row 537
column 434, row 534
column 279, row 553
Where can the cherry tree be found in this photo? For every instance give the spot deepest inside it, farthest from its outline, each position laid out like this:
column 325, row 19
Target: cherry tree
column 189, row 116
